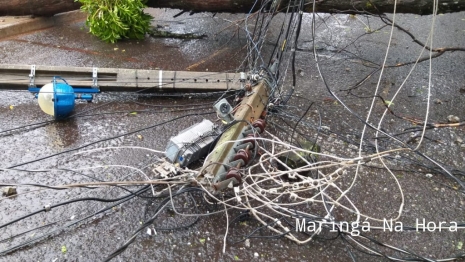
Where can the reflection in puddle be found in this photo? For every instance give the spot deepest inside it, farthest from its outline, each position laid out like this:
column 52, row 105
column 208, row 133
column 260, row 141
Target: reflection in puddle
column 63, row 134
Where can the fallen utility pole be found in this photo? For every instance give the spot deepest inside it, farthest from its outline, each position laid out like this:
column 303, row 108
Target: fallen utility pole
column 116, row 79
column 237, row 145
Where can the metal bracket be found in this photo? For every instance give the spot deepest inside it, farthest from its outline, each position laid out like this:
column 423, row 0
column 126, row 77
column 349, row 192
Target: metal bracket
column 32, row 76
column 94, row 77
column 242, row 80
column 224, row 109
column 243, row 77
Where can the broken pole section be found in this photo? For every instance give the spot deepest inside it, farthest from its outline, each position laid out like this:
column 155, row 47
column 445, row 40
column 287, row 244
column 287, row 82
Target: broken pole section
column 118, row 79
column 236, row 146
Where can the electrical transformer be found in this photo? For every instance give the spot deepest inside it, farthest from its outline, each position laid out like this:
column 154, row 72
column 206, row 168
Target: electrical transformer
column 192, row 143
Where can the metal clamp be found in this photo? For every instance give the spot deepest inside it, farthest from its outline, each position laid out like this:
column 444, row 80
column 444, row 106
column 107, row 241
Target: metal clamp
column 242, row 80
column 32, row 76
column 243, row 77
column 94, row 77
column 255, row 77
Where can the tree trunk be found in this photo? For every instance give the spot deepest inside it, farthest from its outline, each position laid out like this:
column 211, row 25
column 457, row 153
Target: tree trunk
column 422, row 7
column 37, row 7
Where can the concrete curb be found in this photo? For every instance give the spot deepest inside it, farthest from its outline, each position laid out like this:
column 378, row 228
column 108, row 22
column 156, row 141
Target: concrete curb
column 27, row 24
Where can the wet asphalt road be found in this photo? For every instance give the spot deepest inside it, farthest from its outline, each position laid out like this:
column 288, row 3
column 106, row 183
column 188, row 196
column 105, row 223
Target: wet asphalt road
column 434, row 199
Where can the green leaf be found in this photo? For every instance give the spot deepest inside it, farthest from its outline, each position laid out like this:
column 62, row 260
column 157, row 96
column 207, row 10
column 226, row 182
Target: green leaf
column 388, row 103
column 202, row 241
column 236, row 258
column 115, row 20
column 63, row 249
column 459, row 245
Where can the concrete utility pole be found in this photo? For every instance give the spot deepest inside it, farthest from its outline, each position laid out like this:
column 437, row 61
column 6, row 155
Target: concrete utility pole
column 115, row 79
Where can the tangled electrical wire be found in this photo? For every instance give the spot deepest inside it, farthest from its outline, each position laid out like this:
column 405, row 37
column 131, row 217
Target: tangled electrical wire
column 306, row 181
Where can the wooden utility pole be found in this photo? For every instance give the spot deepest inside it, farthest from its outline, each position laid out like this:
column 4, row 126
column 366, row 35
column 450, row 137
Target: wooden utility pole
column 235, row 146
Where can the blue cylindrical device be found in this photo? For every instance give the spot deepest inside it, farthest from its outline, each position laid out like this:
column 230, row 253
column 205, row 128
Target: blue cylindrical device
column 57, row 98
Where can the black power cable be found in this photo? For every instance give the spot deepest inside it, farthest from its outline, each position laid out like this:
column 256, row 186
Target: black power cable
column 50, row 207
column 150, row 221
column 106, row 139
column 50, row 233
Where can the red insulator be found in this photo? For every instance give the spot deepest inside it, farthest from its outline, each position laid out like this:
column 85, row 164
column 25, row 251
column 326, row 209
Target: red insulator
column 261, row 124
column 250, row 138
column 248, row 87
column 242, row 154
column 234, row 173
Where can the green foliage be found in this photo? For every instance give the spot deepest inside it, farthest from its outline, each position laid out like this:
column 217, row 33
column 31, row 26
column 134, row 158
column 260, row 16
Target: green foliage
column 112, row 20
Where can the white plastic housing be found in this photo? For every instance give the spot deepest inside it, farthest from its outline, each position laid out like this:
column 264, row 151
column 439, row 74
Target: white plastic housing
column 45, row 98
